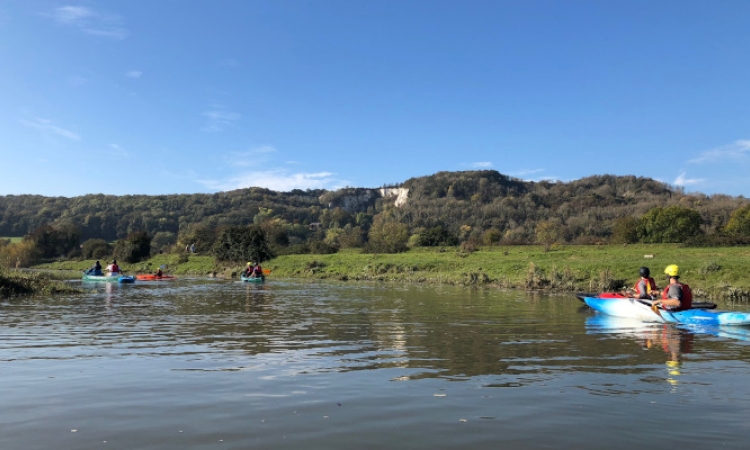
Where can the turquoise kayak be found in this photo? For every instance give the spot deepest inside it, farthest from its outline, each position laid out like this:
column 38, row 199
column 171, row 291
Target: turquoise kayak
column 252, row 279
column 111, row 279
column 641, row 310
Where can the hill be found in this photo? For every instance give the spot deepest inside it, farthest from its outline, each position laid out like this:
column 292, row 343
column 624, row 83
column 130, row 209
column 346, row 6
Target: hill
column 466, row 204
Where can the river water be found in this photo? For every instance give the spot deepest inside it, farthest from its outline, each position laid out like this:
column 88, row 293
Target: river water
column 202, row 364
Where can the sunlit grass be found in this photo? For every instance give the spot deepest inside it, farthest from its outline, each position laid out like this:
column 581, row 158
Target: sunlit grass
column 711, row 272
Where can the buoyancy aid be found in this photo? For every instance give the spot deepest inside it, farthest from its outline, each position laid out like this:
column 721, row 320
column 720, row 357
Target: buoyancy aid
column 650, row 286
column 687, row 296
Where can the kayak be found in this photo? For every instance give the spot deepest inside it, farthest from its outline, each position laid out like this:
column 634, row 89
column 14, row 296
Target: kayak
column 252, row 279
column 641, row 310
column 701, row 305
column 604, row 324
column 112, row 279
column 152, row 277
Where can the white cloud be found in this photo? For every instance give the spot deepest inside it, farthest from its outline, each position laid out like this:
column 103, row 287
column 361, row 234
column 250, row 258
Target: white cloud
column 734, row 151
column 72, row 15
column 277, row 180
column 219, row 120
column 134, row 74
column 682, row 180
column 523, row 173
column 46, row 126
column 481, row 164
column 89, row 21
column 254, row 156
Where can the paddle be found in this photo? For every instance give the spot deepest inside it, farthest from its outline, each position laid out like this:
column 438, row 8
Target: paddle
column 656, row 310
column 266, row 271
column 651, row 305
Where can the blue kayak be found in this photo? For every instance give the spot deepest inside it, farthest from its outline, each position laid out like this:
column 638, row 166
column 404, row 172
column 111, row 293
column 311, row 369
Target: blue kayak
column 641, row 310
column 110, row 279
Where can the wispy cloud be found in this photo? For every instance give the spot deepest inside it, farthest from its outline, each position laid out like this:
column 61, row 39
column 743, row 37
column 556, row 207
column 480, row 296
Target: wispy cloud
column 47, row 127
column 683, row 180
column 89, row 21
column 527, row 172
column 479, row 165
column 252, row 157
column 278, row 180
column 734, row 151
column 134, row 74
column 219, row 119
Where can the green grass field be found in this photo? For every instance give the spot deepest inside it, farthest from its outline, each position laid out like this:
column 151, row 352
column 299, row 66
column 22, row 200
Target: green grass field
column 720, row 273
column 13, row 240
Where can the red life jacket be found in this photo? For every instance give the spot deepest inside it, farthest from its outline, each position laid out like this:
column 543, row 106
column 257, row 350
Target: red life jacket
column 650, row 286
column 687, row 296
column 115, row 268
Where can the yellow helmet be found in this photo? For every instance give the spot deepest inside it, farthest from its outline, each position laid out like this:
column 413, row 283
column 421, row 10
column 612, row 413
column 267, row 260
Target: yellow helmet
column 672, row 270
column 249, row 264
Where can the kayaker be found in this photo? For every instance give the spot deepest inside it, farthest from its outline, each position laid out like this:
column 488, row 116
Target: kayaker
column 113, row 268
column 645, row 288
column 676, row 296
column 159, row 273
column 248, row 270
column 257, row 271
column 96, row 269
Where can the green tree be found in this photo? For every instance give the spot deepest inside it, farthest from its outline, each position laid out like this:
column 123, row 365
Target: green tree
column 670, row 224
column 739, row 223
column 387, row 237
column 52, row 241
column 163, row 240
column 491, row 236
column 96, row 249
column 134, row 248
column 242, row 243
column 625, row 231
column 352, row 237
column 437, row 236
column 547, row 233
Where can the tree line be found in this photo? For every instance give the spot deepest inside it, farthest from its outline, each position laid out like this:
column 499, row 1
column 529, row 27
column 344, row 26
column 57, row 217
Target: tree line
column 469, row 208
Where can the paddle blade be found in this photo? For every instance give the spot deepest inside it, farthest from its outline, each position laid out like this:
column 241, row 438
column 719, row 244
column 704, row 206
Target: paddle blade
column 266, row 271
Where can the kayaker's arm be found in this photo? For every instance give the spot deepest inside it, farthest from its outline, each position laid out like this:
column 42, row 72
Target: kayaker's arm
column 670, row 302
column 674, row 297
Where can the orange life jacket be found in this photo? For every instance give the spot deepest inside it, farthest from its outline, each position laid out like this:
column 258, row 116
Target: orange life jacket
column 687, row 296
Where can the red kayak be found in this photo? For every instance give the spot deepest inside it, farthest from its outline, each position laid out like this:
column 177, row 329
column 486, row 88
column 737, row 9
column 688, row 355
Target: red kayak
column 152, row 277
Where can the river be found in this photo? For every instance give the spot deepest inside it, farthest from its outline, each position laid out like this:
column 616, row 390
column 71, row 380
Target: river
column 204, row 364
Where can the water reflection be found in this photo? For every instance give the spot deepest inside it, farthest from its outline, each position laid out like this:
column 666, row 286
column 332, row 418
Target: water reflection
column 674, row 342
column 332, row 366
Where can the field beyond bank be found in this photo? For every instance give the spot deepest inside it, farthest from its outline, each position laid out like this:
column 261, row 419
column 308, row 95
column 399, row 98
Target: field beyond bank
column 714, row 273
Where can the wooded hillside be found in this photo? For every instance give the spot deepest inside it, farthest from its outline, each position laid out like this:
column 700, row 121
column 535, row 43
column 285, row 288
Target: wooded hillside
column 467, row 205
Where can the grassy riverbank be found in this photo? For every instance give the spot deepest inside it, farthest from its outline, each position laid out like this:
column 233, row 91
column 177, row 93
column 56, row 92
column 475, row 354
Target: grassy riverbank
column 15, row 283
column 717, row 273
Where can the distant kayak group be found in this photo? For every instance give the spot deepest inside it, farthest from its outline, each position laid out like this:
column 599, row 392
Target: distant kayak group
column 253, row 273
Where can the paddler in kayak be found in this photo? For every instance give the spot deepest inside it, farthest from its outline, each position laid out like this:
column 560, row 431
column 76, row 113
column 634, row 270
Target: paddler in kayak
column 645, row 288
column 677, row 296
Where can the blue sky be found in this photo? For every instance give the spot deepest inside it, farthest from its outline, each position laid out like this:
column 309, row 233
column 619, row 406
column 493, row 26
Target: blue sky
column 175, row 96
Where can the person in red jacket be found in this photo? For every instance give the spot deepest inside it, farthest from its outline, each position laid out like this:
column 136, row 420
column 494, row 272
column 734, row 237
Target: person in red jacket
column 677, row 296
column 113, row 269
column 645, row 288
